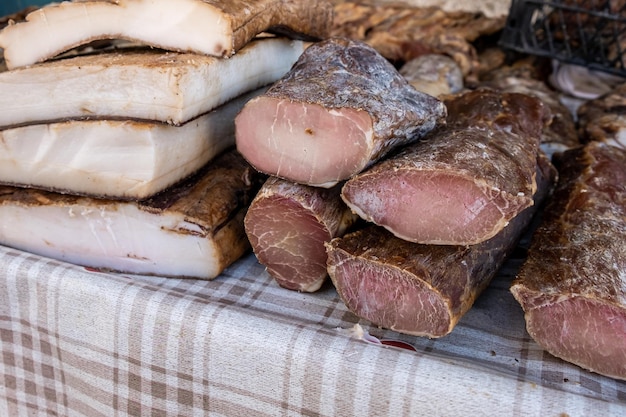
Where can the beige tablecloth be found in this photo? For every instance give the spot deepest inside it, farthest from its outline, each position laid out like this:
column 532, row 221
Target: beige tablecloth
column 80, row 343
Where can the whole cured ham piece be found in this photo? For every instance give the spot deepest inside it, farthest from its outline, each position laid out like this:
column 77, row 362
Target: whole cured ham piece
column 207, row 27
column 417, row 289
column 288, row 224
column 339, row 109
column 140, row 84
column 194, row 229
column 466, row 181
column 117, row 159
column 572, row 286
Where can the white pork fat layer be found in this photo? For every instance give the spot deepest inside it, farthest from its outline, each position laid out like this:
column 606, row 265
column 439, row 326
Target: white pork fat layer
column 166, row 87
column 122, row 159
column 182, row 25
column 116, row 236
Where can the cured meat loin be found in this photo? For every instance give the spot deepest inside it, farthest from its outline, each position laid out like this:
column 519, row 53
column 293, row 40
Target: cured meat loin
column 572, row 286
column 207, row 27
column 339, row 109
column 466, row 181
column 139, row 84
column 604, row 118
column 195, row 229
column 416, row 289
column 118, row 159
column 288, row 224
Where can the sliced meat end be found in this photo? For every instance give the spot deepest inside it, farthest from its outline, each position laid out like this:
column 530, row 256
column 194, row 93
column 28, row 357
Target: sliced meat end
column 302, row 142
column 388, row 296
column 432, row 207
column 586, row 332
column 289, row 241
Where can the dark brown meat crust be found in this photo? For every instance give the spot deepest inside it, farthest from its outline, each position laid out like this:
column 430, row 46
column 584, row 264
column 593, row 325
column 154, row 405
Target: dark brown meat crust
column 450, row 276
column 584, row 222
column 343, row 73
column 578, row 259
column 297, row 19
column 401, row 32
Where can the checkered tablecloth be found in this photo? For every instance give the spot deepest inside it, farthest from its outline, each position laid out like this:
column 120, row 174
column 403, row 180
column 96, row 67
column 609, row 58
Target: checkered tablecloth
column 75, row 342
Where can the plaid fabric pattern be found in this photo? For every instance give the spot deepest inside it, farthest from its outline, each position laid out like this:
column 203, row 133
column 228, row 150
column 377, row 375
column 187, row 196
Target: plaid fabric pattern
column 79, row 343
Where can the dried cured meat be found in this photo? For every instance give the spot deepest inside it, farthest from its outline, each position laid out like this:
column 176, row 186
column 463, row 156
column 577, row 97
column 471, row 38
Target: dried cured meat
column 416, row 289
column 433, row 74
column 340, row 108
column 604, row 118
column 289, row 223
column 466, row 181
column 572, row 287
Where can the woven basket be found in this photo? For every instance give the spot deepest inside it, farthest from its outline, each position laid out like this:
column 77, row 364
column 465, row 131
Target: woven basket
column 591, row 33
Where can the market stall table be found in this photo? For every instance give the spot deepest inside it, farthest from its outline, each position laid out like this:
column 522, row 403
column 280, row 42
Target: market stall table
column 80, row 342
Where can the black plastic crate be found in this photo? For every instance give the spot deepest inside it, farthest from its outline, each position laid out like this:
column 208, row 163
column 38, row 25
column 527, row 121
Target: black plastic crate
column 591, row 33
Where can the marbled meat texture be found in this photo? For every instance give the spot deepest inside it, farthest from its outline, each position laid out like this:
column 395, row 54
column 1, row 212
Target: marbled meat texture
column 572, row 286
column 207, row 27
column 466, row 181
column 604, row 119
column 401, row 32
column 340, row 108
column 288, row 224
column 416, row 289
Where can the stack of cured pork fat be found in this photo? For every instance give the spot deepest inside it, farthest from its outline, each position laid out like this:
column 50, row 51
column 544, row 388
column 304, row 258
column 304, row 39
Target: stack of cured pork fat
column 118, row 154
column 406, row 185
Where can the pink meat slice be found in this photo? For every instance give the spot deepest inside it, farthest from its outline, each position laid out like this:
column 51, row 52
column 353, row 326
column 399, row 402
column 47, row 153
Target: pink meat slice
column 294, row 140
column 465, row 182
column 572, row 287
column 340, row 108
column 287, row 225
